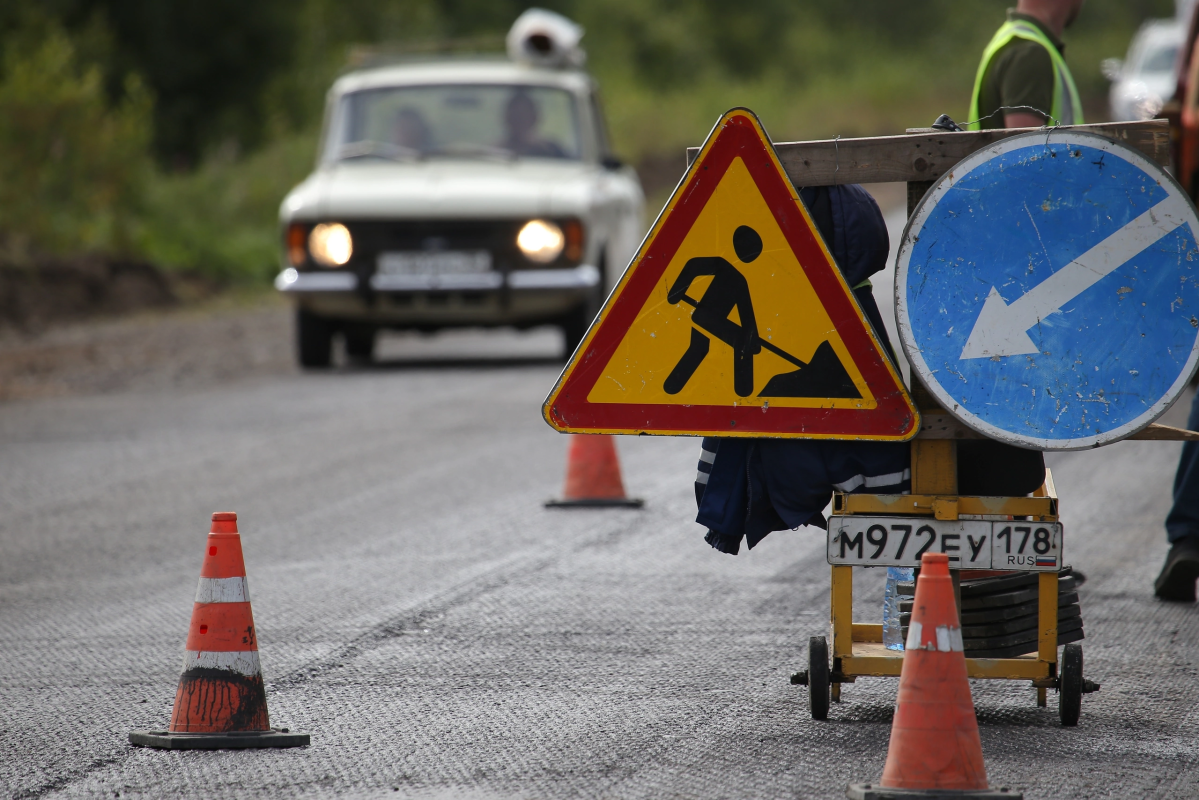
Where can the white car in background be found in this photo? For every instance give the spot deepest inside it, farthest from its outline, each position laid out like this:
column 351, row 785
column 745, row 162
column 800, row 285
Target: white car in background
column 455, row 193
column 1146, row 78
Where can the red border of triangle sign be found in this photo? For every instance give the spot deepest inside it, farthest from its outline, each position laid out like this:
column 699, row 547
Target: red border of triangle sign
column 738, row 134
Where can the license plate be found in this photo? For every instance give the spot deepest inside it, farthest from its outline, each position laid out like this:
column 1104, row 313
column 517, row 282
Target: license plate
column 444, row 262
column 970, row 544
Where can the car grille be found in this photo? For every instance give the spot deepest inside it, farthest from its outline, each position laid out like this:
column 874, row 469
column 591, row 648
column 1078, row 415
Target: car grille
column 497, row 237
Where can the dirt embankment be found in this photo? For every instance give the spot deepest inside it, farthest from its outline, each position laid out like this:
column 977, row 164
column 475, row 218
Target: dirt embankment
column 220, row 339
column 96, row 324
column 50, row 290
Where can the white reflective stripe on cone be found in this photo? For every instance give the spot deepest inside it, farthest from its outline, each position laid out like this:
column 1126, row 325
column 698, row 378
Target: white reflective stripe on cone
column 949, row 639
column 914, row 631
column 223, row 590
column 244, row 662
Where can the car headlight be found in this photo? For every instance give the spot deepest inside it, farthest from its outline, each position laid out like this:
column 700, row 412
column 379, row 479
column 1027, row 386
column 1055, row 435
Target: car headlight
column 540, row 241
column 330, row 244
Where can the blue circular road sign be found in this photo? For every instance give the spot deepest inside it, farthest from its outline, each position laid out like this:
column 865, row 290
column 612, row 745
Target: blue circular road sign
column 1047, row 291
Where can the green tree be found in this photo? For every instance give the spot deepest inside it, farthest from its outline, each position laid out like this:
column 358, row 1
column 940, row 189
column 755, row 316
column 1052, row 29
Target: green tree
column 208, row 63
column 71, row 166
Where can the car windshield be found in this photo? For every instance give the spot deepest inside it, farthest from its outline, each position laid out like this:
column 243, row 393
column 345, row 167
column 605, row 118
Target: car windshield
column 463, row 121
column 1160, row 59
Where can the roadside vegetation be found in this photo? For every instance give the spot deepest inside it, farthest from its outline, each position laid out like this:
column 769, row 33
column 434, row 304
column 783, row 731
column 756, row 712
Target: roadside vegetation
column 169, row 132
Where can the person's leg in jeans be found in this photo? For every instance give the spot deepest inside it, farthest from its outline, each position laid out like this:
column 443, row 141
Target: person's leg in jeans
column 1177, row 581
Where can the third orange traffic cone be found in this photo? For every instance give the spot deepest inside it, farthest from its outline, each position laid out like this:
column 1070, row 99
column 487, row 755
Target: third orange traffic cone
column 593, row 474
column 935, row 749
column 221, row 700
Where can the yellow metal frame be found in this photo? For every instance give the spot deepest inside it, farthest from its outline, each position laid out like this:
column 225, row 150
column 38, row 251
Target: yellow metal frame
column 857, row 648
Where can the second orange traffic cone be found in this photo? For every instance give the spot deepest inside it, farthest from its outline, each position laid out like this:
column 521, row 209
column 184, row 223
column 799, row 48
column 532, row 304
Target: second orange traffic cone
column 935, row 749
column 221, row 700
column 593, row 475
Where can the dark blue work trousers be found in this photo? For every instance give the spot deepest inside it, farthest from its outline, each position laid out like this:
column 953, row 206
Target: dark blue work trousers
column 1183, row 519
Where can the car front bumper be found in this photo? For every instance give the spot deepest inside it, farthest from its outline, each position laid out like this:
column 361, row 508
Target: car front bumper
column 489, row 298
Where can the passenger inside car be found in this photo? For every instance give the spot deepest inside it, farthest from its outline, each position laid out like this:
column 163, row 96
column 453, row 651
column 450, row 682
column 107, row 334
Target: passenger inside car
column 410, row 130
column 521, row 121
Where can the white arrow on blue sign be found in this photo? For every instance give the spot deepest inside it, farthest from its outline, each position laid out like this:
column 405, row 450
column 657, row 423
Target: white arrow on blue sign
column 1047, row 291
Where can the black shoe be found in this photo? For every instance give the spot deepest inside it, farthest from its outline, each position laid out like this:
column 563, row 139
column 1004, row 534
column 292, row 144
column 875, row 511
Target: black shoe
column 1177, row 581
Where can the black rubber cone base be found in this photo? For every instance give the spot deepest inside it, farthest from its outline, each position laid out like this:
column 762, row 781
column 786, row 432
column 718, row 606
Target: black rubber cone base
column 869, row 791
column 597, row 502
column 165, row 740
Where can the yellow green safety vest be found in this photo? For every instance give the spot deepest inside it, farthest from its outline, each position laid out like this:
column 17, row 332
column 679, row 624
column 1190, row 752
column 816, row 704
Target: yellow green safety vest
column 1063, row 112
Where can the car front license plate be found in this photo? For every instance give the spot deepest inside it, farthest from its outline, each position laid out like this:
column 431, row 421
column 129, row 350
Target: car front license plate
column 970, row 544
column 434, row 262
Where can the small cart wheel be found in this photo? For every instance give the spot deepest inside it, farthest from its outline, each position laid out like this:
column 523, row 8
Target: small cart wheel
column 1069, row 698
column 818, row 683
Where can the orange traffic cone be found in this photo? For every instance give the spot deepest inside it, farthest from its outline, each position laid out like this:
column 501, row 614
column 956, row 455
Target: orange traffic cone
column 593, row 475
column 221, row 701
column 935, row 750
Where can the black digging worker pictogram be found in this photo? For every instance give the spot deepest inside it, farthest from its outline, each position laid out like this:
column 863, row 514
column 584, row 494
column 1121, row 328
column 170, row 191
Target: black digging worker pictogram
column 728, row 290
column 823, row 376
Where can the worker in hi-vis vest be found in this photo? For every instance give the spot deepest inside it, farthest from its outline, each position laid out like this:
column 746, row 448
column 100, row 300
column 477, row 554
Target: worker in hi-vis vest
column 1023, row 81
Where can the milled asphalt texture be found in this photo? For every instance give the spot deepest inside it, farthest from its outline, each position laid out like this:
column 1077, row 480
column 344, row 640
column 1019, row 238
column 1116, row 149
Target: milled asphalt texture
column 441, row 634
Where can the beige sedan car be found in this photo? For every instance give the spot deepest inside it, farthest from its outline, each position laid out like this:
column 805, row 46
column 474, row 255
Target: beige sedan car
column 452, row 194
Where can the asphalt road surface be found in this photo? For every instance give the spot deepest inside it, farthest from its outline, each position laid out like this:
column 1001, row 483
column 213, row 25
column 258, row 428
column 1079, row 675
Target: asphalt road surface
column 440, row 633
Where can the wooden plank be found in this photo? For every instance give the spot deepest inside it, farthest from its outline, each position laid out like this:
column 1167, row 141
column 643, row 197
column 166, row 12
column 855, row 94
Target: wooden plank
column 927, row 156
column 943, row 425
column 1047, row 489
column 1165, row 433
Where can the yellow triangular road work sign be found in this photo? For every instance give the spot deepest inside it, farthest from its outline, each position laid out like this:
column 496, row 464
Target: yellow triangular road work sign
column 733, row 320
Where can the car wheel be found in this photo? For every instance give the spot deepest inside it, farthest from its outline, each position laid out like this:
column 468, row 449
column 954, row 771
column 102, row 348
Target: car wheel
column 314, row 340
column 818, row 677
column 574, row 327
column 1070, row 688
column 360, row 342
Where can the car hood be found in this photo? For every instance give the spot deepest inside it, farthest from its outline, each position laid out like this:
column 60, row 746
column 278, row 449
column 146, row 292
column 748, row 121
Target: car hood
column 443, row 189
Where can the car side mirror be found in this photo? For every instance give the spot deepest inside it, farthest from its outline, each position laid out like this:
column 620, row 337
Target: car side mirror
column 611, row 162
column 1111, row 68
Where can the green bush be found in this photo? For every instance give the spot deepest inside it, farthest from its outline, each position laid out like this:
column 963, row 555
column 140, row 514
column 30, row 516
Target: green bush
column 221, row 219
column 72, row 166
column 76, row 172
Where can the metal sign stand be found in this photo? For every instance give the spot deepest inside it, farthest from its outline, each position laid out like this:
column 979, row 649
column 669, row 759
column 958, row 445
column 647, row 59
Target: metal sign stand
column 918, row 159
column 857, row 648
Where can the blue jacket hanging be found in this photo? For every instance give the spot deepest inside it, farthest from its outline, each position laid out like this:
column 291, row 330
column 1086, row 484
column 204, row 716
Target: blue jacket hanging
column 747, row 488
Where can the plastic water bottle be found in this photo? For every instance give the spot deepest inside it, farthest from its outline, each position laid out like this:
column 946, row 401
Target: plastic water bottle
column 892, row 630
